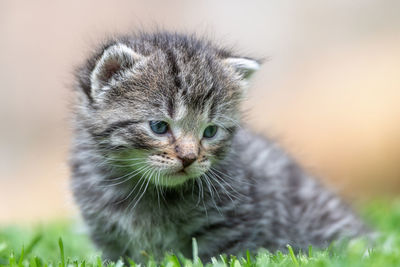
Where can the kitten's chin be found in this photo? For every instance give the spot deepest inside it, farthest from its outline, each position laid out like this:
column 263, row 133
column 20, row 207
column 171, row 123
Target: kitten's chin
column 175, row 179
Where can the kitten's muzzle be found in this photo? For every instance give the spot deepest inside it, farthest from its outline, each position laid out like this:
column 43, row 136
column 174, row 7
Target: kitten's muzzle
column 187, row 150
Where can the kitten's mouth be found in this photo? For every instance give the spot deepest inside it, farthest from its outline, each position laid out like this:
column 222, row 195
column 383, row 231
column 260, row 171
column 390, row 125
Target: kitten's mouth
column 181, row 172
column 177, row 178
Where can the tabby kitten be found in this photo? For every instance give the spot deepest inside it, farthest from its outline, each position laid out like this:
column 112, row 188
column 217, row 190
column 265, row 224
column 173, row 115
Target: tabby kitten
column 160, row 157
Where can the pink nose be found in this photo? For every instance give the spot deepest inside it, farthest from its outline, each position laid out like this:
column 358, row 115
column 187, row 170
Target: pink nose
column 187, row 160
column 187, row 150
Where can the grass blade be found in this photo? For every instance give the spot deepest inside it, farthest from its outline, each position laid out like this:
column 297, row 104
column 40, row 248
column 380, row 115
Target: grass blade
column 35, row 240
column 21, row 258
column 291, row 253
column 61, row 245
column 195, row 251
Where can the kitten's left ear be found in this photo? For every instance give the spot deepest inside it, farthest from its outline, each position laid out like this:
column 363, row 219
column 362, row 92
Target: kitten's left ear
column 246, row 67
column 114, row 59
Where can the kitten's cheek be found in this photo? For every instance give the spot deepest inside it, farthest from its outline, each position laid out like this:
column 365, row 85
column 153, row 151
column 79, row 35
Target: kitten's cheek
column 209, row 148
column 207, row 145
column 205, row 166
column 116, row 140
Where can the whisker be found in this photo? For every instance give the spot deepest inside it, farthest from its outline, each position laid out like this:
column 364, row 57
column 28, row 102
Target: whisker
column 200, row 184
column 133, row 190
column 127, row 159
column 131, row 175
column 229, row 194
column 145, row 177
column 230, row 178
column 124, row 166
column 209, row 184
column 144, row 191
column 228, row 184
column 213, row 186
column 220, row 184
column 157, row 185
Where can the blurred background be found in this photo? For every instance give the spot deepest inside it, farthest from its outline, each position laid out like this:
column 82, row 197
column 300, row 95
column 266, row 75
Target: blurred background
column 329, row 93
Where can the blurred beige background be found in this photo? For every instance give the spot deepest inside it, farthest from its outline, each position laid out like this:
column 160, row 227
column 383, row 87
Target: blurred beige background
column 330, row 92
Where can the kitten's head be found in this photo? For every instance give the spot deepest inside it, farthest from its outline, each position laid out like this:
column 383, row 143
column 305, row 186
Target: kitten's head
column 163, row 106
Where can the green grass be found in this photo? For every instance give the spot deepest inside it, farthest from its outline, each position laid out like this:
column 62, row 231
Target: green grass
column 63, row 244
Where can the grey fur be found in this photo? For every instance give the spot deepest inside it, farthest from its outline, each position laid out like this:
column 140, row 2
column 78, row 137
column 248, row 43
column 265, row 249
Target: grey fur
column 254, row 196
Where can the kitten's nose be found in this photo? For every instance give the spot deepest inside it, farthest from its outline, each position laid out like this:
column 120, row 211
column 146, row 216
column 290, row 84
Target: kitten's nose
column 188, row 159
column 186, row 150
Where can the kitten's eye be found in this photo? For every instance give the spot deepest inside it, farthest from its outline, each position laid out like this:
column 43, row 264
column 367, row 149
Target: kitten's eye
column 159, row 127
column 210, row 131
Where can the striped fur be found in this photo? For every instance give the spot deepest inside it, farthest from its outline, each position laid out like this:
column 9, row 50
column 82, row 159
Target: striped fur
column 242, row 191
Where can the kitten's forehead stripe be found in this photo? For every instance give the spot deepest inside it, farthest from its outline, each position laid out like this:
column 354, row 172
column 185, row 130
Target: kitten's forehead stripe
column 175, row 70
column 171, row 106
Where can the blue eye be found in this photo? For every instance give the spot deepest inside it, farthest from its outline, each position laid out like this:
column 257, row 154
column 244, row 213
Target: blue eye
column 159, row 127
column 210, row 131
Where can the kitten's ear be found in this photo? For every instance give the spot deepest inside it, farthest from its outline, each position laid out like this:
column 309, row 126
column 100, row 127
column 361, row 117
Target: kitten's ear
column 114, row 59
column 246, row 67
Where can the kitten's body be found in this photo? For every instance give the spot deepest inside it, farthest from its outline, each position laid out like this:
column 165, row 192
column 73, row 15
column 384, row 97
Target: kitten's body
column 254, row 196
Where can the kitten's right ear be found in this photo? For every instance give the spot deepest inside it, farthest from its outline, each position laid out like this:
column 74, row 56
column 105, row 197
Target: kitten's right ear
column 114, row 59
column 245, row 67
